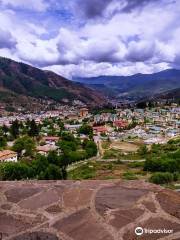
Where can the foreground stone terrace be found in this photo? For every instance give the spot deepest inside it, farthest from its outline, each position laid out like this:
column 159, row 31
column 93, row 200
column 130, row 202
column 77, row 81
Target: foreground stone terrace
column 87, row 210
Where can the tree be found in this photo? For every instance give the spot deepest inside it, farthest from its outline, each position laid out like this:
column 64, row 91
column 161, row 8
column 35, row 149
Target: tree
column 52, row 172
column 86, row 129
column 53, row 158
column 39, row 165
column 67, row 146
column 91, row 148
column 14, row 171
column 34, row 129
column 5, row 129
column 3, row 142
column 66, row 136
column 14, row 129
column 143, row 150
column 142, row 105
column 25, row 144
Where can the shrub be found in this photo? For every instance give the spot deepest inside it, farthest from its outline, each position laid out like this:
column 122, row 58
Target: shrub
column 129, row 176
column 176, row 176
column 136, row 164
column 162, row 178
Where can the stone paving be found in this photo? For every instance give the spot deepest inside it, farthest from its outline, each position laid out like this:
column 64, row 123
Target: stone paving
column 87, row 210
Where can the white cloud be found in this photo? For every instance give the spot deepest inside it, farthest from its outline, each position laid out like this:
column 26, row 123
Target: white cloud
column 91, row 69
column 34, row 5
column 126, row 42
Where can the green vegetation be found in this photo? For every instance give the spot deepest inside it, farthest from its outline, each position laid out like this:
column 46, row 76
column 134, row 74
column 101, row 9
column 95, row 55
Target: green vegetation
column 129, row 176
column 161, row 166
column 106, row 145
column 86, row 129
column 111, row 154
column 76, row 151
column 31, row 165
column 162, row 178
column 3, row 142
column 15, row 171
column 14, row 129
column 55, row 94
column 84, row 172
column 143, row 150
column 49, row 168
column 25, row 80
column 24, row 144
column 105, row 170
column 136, row 164
column 104, row 110
column 164, row 162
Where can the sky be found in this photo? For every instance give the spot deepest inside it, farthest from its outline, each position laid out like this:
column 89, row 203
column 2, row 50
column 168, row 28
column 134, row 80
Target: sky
column 85, row 38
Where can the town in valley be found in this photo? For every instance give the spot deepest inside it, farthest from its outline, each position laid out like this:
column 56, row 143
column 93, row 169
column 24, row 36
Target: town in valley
column 80, row 142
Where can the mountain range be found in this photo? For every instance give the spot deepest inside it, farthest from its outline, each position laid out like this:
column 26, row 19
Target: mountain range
column 21, row 82
column 134, row 87
column 24, row 85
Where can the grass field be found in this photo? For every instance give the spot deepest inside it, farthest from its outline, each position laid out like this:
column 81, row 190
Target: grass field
column 113, row 170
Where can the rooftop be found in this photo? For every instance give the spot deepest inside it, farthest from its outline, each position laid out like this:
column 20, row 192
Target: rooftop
column 6, row 153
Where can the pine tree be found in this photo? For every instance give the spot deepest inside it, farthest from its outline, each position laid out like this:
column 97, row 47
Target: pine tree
column 34, row 129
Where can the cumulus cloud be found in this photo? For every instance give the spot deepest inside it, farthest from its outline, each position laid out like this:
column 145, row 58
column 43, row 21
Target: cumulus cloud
column 35, row 5
column 91, row 38
column 107, row 8
column 89, row 69
column 140, row 51
column 7, row 40
column 91, row 9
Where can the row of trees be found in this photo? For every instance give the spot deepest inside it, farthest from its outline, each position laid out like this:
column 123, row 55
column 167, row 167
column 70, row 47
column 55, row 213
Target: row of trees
column 17, row 128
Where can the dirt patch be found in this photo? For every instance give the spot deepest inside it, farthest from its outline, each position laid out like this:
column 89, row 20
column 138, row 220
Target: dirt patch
column 124, row 146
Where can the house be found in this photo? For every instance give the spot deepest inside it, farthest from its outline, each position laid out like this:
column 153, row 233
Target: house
column 8, row 156
column 73, row 127
column 120, row 124
column 50, row 140
column 99, row 129
column 44, row 150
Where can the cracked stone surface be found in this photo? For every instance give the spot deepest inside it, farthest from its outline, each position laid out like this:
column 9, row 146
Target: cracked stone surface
column 87, row 210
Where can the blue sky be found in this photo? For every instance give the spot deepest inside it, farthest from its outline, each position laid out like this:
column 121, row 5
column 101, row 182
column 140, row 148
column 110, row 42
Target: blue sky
column 92, row 37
